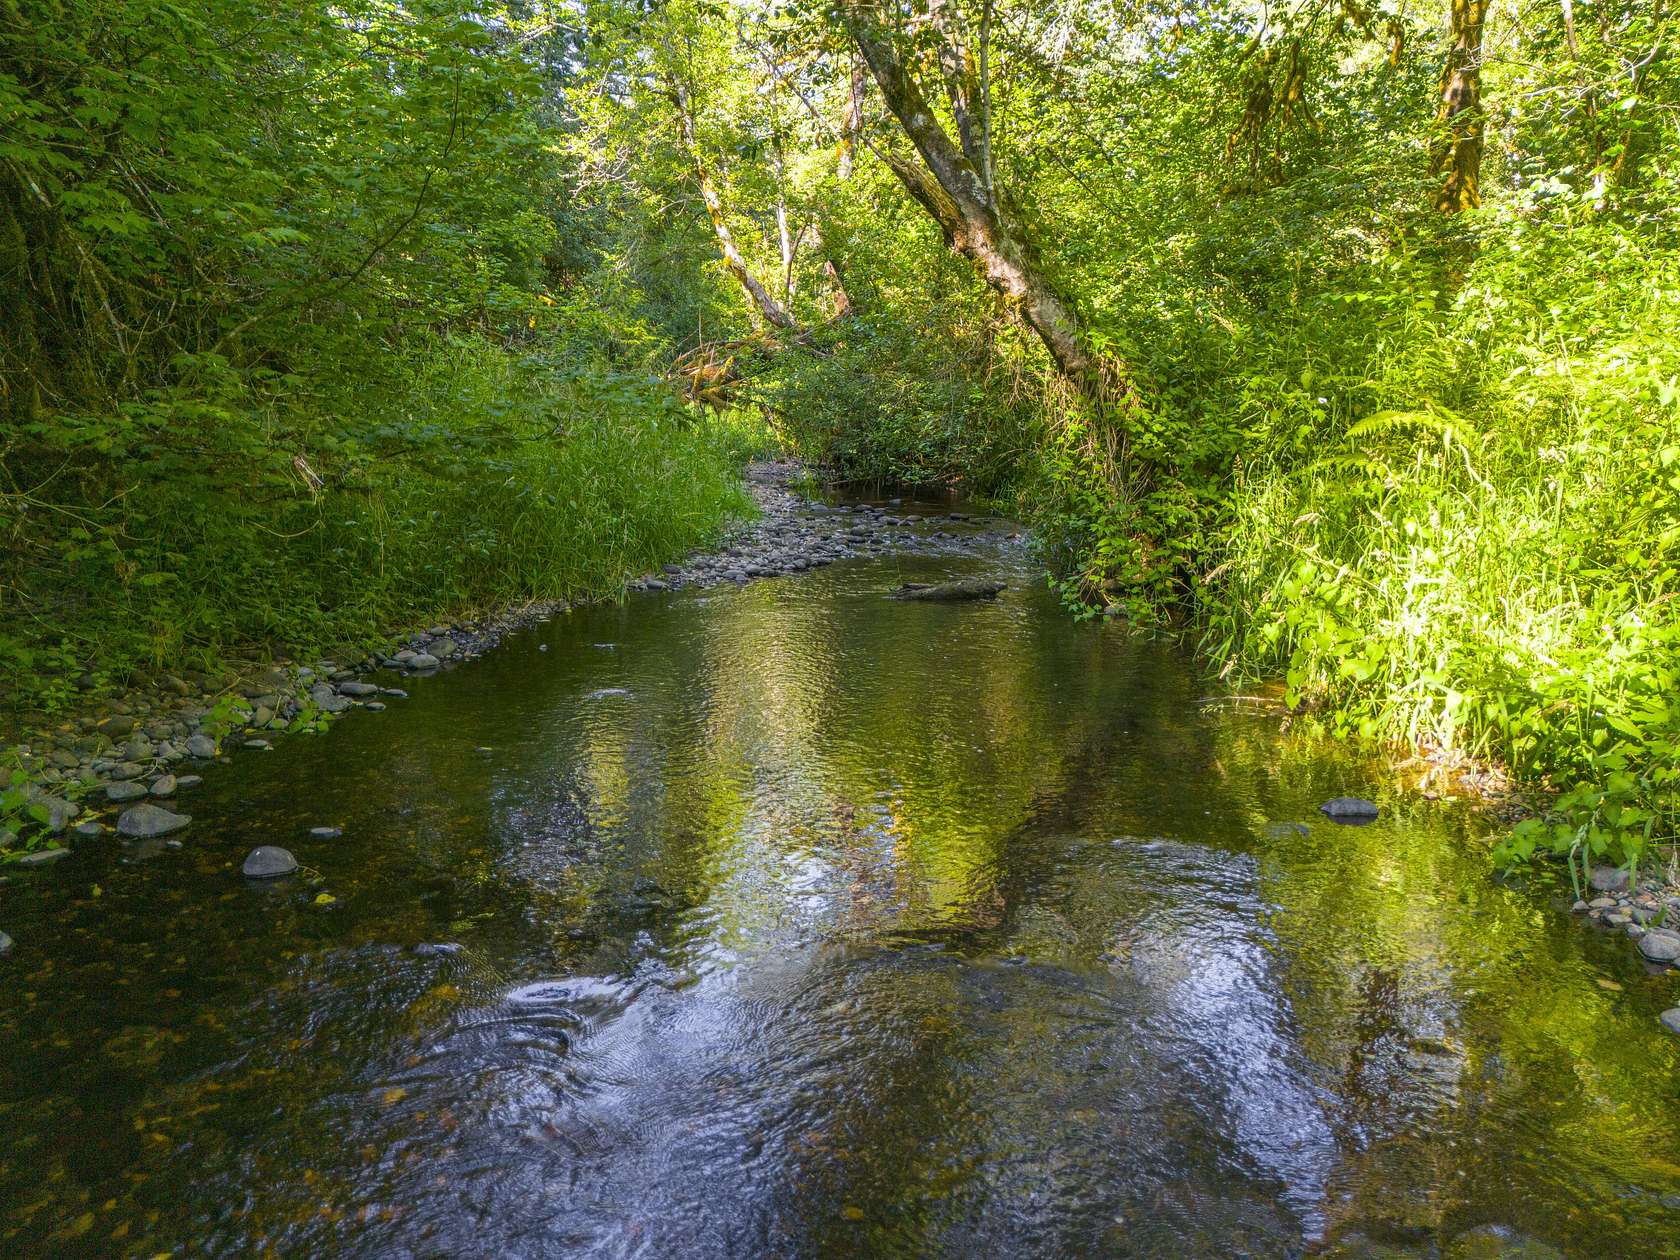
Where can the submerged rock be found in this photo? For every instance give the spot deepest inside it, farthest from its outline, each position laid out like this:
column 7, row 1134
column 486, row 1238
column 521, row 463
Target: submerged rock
column 144, row 821
column 125, row 791
column 1498, row 1242
column 43, row 857
column 5, row 943
column 164, row 785
column 951, row 592
column 1349, row 809
column 326, row 833
column 268, row 861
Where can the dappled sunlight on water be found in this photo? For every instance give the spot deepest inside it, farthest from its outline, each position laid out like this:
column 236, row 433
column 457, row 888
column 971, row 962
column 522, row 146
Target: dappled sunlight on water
column 797, row 921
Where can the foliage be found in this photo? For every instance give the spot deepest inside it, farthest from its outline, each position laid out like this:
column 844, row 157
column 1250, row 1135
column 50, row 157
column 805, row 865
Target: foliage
column 333, row 315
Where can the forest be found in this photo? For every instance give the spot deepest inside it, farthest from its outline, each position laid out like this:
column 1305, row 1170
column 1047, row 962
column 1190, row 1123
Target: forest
column 1341, row 339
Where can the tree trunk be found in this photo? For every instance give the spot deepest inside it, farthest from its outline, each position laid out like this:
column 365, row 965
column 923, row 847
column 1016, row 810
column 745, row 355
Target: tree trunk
column 976, row 219
column 1458, row 157
column 763, row 303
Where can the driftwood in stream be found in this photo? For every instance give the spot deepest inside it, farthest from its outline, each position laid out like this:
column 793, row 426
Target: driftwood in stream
column 950, row 592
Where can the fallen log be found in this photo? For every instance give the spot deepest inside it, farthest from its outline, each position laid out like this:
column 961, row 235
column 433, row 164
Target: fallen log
column 950, row 592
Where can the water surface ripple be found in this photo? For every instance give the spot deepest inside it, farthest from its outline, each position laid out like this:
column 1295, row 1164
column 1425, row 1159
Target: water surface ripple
column 808, row 923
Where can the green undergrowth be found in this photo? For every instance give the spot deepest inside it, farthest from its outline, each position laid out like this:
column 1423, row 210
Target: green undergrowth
column 1481, row 556
column 438, row 481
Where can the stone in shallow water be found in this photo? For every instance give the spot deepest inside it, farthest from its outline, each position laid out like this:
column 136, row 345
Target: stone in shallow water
column 1660, row 945
column 43, row 857
column 5, row 943
column 1498, row 1242
column 1349, row 809
column 127, row 791
column 144, row 821
column 89, row 830
column 201, row 746
column 268, row 861
column 358, row 689
column 423, row 660
column 1671, row 1020
column 164, row 785
column 326, row 833
column 189, row 780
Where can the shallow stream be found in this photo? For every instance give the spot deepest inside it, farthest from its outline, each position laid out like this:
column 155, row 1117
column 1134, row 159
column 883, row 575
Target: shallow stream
column 788, row 920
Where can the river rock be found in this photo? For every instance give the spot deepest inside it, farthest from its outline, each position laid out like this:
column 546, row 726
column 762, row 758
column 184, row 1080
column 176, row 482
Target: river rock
column 141, row 822
column 124, row 770
column 1671, row 1019
column 268, row 861
column 326, row 833
column 1498, row 1242
column 164, row 785
column 89, row 830
column 59, row 811
column 423, row 660
column 5, row 943
column 189, row 780
column 327, row 700
column 126, row 791
column 201, row 746
column 1660, row 945
column 1349, row 809
column 357, row 689
column 43, row 857
column 1608, row 878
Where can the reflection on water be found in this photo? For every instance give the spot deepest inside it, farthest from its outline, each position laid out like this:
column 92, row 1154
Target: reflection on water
column 804, row 922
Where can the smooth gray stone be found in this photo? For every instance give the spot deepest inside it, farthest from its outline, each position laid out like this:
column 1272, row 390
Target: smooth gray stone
column 127, row 791
column 189, row 780
column 423, row 660
column 43, row 857
column 1660, row 945
column 358, row 689
column 1608, row 878
column 89, row 830
column 5, row 943
column 1671, row 1019
column 268, row 861
column 141, row 822
column 201, row 746
column 165, row 785
column 326, row 833
column 1349, row 807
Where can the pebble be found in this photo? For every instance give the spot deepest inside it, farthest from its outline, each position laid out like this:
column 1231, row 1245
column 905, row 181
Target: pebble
column 144, row 821
column 165, row 785
column 189, row 780
column 201, row 746
column 423, row 660
column 358, row 689
column 124, row 791
column 268, row 861
column 89, row 830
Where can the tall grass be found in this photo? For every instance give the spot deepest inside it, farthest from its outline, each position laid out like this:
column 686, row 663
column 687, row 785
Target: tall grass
column 1482, row 557
column 450, row 479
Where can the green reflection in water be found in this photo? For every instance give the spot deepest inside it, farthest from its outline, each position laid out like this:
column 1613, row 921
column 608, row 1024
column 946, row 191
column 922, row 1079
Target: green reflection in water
column 790, row 920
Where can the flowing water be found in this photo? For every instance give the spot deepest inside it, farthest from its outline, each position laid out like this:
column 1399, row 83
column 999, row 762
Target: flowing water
column 788, row 920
